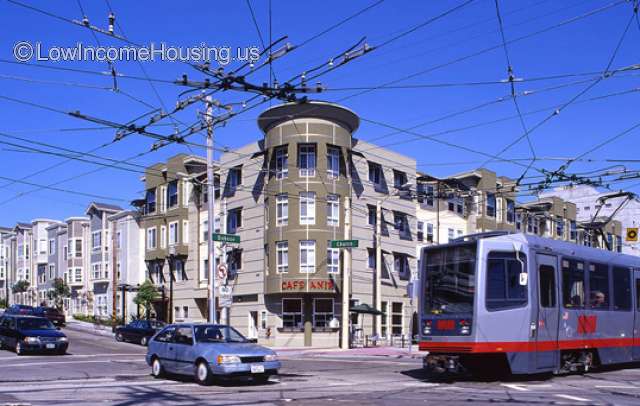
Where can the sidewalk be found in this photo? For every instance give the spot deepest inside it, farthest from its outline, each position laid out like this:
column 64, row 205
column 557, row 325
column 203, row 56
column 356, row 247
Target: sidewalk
column 389, row 352
column 87, row 327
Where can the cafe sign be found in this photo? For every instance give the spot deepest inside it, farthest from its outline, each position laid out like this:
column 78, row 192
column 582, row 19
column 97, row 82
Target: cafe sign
column 311, row 285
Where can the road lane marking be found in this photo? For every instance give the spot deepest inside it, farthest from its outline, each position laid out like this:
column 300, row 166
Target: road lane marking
column 616, row 387
column 97, row 361
column 515, row 387
column 577, row 399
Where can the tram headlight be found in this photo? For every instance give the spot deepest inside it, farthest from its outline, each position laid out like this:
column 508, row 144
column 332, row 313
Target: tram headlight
column 465, row 327
column 427, row 328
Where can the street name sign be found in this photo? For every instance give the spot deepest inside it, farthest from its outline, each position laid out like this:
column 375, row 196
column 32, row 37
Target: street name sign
column 232, row 238
column 344, row 243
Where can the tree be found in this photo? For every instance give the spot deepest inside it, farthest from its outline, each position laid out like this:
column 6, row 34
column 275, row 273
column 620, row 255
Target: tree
column 147, row 294
column 60, row 290
column 20, row 286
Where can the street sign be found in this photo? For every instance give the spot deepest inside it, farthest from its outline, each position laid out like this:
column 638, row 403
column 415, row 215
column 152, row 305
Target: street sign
column 344, row 243
column 232, row 238
column 222, row 271
column 225, row 296
column 632, row 234
column 225, row 290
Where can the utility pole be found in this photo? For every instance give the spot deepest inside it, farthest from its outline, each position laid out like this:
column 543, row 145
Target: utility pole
column 346, row 279
column 438, row 212
column 224, row 317
column 114, row 271
column 211, row 209
column 378, row 285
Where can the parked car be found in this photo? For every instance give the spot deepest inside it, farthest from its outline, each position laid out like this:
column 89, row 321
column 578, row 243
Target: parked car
column 52, row 314
column 207, row 351
column 20, row 309
column 26, row 334
column 138, row 331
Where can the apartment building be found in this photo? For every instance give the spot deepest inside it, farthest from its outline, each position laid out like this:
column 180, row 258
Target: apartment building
column 6, row 259
column 23, row 264
column 76, row 251
column 594, row 207
column 129, row 263
column 172, row 196
column 56, row 260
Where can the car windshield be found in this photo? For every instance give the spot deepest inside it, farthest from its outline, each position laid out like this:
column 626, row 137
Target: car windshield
column 450, row 279
column 218, row 334
column 35, row 324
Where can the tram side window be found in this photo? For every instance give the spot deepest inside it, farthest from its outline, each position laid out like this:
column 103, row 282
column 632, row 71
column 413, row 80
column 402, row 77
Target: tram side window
column 503, row 282
column 599, row 286
column 621, row 289
column 547, row 286
column 638, row 294
column 572, row 284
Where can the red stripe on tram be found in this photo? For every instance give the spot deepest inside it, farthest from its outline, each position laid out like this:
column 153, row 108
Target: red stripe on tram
column 526, row 346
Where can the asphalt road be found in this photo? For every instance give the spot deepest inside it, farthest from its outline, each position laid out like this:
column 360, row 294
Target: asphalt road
column 98, row 370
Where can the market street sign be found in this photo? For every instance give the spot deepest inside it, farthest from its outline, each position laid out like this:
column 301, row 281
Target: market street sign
column 232, row 238
column 344, row 243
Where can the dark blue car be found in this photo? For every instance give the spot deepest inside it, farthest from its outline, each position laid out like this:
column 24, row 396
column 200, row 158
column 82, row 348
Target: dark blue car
column 206, row 351
column 25, row 334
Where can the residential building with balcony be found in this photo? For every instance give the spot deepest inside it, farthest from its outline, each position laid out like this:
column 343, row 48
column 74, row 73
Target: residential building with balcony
column 77, row 253
column 23, row 264
column 6, row 262
column 56, row 261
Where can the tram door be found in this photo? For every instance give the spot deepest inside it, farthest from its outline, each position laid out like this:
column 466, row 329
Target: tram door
column 636, row 311
column 546, row 330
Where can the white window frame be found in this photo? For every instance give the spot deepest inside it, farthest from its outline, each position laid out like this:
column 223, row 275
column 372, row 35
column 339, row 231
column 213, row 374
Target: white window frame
column 324, row 314
column 52, row 246
column 163, row 237
column 168, row 198
column 95, row 247
column 282, row 209
column 235, row 177
column 174, row 239
column 298, row 313
column 333, row 210
column 282, row 162
column 309, row 249
column 96, row 271
column 376, row 173
column 308, row 201
column 163, row 199
column 333, row 162
column 282, row 247
column 186, row 193
column 333, row 259
column 309, row 151
column 152, row 238
column 185, row 231
column 420, row 231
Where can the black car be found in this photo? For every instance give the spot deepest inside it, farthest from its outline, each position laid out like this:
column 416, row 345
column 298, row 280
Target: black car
column 138, row 331
column 20, row 309
column 26, row 334
column 52, row 314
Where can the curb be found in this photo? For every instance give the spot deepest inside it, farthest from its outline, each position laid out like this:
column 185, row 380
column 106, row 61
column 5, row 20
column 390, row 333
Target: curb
column 88, row 328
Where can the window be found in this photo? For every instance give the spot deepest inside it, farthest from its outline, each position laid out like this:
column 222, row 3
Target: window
column 263, row 320
column 118, row 239
column 518, row 221
column 292, row 313
column 371, row 258
column 166, row 335
column 429, row 232
column 450, row 234
column 396, row 318
column 78, row 248
column 573, row 286
column 185, row 231
column 205, row 230
column 282, row 256
column 401, row 222
column 282, row 163
column 587, row 208
column 375, row 174
column 173, row 233
column 333, row 259
column 234, row 259
column 172, row 194
column 547, row 286
column 322, row 312
column 491, row 204
column 333, row 210
column 42, row 245
column 618, row 243
column 560, row 227
column 307, row 208
column 621, row 289
column 150, row 202
column 333, row 162
column 186, row 193
column 511, row 211
column 456, row 205
column 430, row 195
column 307, row 160
column 235, row 177
column 176, row 312
column 420, row 231
column 307, row 256
column 162, row 193
column 610, row 241
column 401, row 263
column 282, row 209
column 399, row 179
column 371, row 211
column 96, row 271
column 185, row 312
column 52, row 247
column 52, row 271
column 499, row 210
column 204, row 270
column 599, row 286
column 234, row 220
column 96, row 240
column 504, row 290
column 151, row 238
column 573, row 230
column 178, row 269
column 163, row 237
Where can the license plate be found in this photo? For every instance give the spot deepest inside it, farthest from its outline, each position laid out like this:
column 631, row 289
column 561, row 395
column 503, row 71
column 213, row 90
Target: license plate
column 51, row 346
column 257, row 369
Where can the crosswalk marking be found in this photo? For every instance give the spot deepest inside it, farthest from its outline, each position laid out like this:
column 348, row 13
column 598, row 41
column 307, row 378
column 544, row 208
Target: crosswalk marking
column 569, row 397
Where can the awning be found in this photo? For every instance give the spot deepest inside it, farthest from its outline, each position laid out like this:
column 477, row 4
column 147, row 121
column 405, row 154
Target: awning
column 364, row 308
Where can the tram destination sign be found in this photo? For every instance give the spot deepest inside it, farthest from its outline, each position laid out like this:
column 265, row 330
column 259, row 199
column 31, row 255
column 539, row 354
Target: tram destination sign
column 344, row 243
column 232, row 238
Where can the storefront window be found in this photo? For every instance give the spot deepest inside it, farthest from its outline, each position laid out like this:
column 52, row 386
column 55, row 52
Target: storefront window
column 322, row 312
column 396, row 318
column 292, row 313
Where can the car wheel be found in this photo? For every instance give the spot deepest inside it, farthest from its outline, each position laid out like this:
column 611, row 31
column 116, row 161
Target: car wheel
column 61, row 352
column 262, row 379
column 203, row 374
column 144, row 341
column 19, row 349
column 157, row 370
column 119, row 337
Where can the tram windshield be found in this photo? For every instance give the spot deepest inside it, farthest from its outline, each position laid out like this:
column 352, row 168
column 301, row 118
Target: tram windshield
column 450, row 279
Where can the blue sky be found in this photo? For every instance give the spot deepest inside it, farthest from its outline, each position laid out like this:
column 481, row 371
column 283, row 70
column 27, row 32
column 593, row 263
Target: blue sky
column 583, row 46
